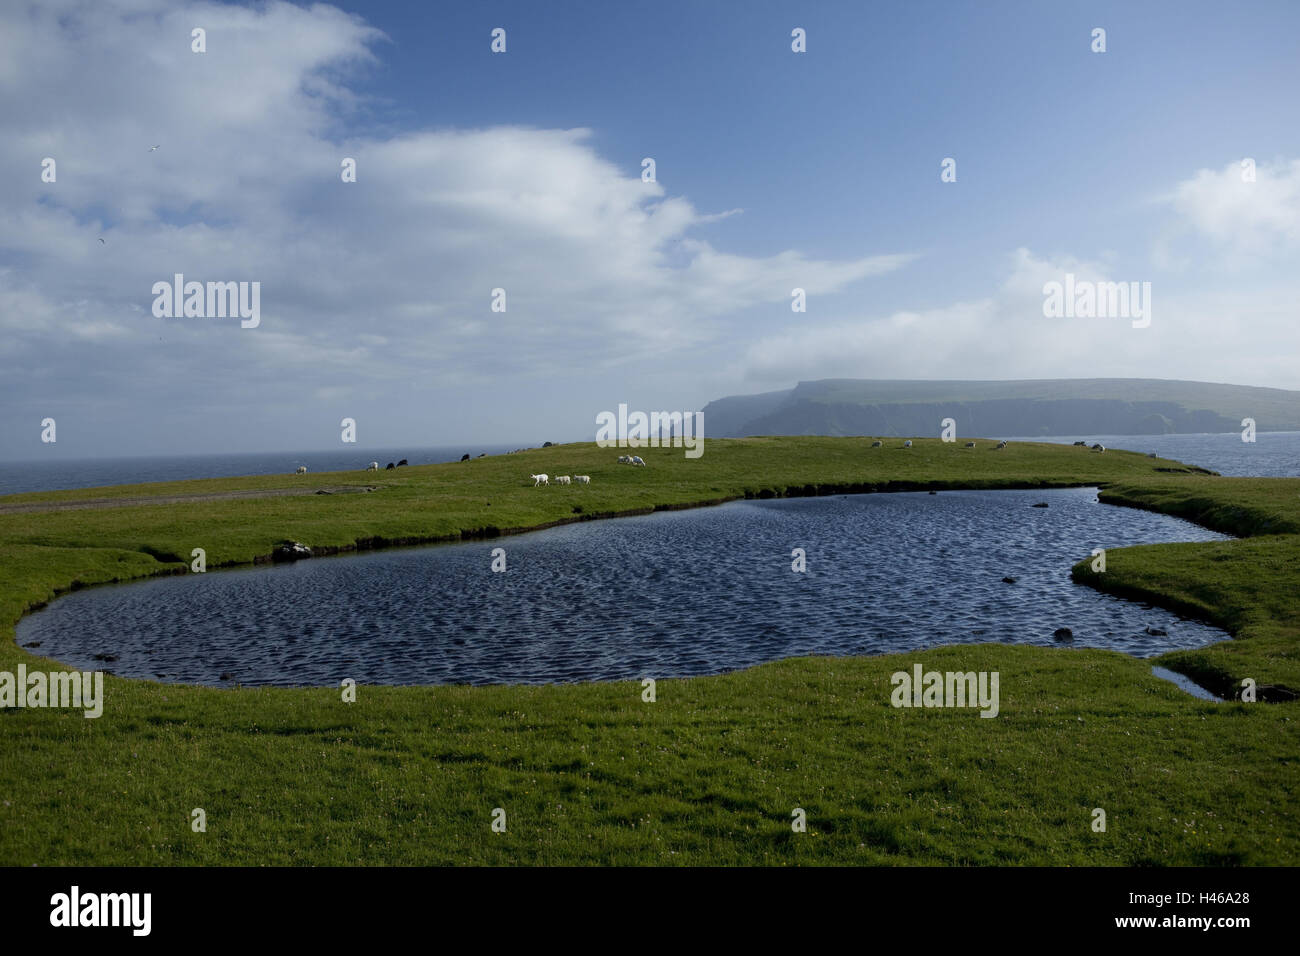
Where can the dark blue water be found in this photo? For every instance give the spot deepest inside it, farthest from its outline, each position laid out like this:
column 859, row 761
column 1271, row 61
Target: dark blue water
column 1272, row 454
column 671, row 594
column 53, row 474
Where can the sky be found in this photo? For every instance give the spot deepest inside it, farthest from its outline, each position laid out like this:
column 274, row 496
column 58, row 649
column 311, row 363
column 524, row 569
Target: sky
column 522, row 171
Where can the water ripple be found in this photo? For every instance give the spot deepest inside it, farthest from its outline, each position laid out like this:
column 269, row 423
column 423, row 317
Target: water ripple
column 665, row 595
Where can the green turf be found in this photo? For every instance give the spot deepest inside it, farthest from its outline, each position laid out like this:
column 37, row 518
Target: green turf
column 711, row 771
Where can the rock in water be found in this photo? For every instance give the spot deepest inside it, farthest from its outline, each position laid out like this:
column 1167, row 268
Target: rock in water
column 1041, row 504
column 1063, row 634
column 1157, row 631
column 1008, row 580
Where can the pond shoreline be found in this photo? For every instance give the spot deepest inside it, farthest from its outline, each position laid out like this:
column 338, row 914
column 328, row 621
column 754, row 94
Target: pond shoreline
column 1235, row 521
column 378, row 543
column 462, row 625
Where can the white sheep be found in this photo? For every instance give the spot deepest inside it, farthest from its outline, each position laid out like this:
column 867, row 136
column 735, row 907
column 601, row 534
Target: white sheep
column 625, row 459
column 877, row 444
column 1002, row 444
column 302, row 470
column 637, row 461
column 562, row 479
column 540, row 480
column 373, row 466
column 970, row 444
column 582, row 479
column 1099, row 447
column 908, row 443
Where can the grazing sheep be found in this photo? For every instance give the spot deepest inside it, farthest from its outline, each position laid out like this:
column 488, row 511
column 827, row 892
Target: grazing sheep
column 877, row 444
column 1099, row 447
column 637, row 461
column 373, row 466
column 540, row 480
column 401, row 463
column 1081, row 443
column 1002, row 444
column 970, row 444
column 389, row 467
column 625, row 459
column 582, row 479
column 562, row 479
column 908, row 443
column 302, row 470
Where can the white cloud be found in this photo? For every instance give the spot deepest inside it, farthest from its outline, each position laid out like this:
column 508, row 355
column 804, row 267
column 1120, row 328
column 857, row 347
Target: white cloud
column 384, row 283
column 1248, row 220
column 376, row 295
column 1193, row 335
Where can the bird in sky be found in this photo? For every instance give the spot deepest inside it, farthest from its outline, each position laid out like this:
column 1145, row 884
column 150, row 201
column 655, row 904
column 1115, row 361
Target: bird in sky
column 101, row 239
column 152, row 148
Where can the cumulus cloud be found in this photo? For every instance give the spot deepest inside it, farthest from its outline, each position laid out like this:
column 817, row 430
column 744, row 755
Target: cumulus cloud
column 372, row 288
column 1005, row 335
column 1246, row 220
column 376, row 294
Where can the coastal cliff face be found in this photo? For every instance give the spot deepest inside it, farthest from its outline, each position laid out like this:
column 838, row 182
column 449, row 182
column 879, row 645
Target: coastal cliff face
column 1047, row 407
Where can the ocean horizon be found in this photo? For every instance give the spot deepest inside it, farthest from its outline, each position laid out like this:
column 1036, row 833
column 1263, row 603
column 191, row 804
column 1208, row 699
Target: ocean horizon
column 18, row 477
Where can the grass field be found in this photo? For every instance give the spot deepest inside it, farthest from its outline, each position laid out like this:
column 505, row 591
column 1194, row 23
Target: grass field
column 711, row 771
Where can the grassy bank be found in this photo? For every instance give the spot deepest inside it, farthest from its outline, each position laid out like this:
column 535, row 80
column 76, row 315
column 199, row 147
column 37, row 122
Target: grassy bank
column 711, row 771
column 1247, row 586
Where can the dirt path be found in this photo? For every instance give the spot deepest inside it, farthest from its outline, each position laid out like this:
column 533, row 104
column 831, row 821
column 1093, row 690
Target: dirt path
column 126, row 501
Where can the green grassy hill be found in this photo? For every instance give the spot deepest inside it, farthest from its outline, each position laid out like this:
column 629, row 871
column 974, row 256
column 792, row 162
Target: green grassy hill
column 709, row 773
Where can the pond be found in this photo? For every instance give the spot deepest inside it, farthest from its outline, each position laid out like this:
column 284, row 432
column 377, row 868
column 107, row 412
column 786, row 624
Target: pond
column 671, row 594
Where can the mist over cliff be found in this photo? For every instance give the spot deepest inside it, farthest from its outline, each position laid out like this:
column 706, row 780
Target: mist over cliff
column 1113, row 406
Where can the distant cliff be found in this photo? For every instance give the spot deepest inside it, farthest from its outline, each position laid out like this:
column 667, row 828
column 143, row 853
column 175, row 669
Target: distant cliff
column 1114, row 406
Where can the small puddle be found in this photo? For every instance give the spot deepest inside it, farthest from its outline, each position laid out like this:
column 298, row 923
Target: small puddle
column 1186, row 683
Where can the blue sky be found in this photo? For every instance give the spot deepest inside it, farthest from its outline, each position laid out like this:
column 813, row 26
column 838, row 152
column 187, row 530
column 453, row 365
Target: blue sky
column 522, row 170
column 836, row 152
